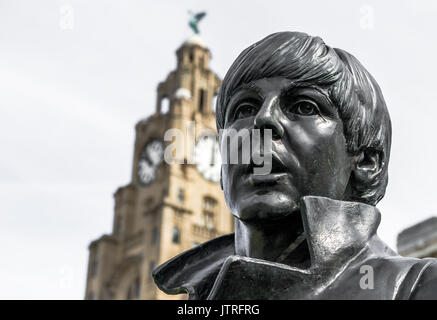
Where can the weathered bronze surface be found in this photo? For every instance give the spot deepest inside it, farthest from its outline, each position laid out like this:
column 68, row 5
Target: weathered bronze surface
column 306, row 230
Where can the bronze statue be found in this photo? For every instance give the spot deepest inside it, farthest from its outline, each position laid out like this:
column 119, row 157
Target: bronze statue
column 306, row 230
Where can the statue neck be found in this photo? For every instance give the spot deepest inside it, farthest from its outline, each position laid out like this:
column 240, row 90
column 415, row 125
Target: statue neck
column 268, row 240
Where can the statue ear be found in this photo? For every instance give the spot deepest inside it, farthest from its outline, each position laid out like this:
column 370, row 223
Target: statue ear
column 368, row 166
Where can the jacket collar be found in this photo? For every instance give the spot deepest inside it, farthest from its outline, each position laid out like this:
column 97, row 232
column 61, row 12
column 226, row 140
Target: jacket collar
column 194, row 271
column 335, row 231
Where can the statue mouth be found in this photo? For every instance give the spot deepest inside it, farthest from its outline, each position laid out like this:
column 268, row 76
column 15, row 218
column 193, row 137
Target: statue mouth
column 275, row 164
column 277, row 172
column 268, row 179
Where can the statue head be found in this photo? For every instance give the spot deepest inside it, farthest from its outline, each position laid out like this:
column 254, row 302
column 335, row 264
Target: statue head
column 331, row 131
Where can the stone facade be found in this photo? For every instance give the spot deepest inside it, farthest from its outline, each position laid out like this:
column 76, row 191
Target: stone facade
column 180, row 208
column 419, row 240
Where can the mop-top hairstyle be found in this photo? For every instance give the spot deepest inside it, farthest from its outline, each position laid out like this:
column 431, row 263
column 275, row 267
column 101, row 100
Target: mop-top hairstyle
column 308, row 60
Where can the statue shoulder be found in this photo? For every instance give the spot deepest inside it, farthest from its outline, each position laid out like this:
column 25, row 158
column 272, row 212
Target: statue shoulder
column 194, row 270
column 416, row 278
column 425, row 284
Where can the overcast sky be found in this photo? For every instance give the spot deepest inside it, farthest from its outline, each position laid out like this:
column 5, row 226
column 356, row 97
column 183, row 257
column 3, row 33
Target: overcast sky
column 76, row 75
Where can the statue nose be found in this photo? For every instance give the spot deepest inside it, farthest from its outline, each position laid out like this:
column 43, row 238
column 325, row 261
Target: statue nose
column 268, row 118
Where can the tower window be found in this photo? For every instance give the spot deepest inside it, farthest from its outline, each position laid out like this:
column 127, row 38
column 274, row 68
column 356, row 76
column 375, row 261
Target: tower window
column 137, row 287
column 181, row 195
column 155, row 235
column 201, row 100
column 191, row 57
column 117, row 228
column 165, row 192
column 165, row 105
column 134, row 289
column 176, row 236
column 94, row 268
column 209, row 212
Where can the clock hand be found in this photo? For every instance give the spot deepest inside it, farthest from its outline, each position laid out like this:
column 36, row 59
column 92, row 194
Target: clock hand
column 148, row 159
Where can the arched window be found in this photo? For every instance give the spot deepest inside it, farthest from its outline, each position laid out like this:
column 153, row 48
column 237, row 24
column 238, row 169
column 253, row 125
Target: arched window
column 137, row 287
column 210, row 212
column 202, row 98
column 118, row 221
column 129, row 294
column 176, row 236
column 165, row 105
column 94, row 268
column 134, row 290
column 155, row 235
column 181, row 195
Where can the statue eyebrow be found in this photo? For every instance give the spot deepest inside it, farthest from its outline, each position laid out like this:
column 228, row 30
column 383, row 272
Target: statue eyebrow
column 253, row 87
column 304, row 85
column 289, row 87
column 250, row 86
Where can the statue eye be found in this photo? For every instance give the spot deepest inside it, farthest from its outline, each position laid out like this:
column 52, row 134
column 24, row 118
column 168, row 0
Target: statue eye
column 304, row 108
column 245, row 110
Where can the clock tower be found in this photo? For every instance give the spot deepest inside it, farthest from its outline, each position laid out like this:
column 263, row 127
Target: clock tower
column 171, row 204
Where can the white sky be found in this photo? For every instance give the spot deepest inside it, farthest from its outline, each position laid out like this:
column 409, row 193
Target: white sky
column 69, row 100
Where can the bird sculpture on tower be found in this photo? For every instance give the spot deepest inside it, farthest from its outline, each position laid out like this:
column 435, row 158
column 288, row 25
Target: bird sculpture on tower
column 195, row 19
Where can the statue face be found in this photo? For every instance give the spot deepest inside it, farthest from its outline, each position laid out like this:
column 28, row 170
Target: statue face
column 309, row 155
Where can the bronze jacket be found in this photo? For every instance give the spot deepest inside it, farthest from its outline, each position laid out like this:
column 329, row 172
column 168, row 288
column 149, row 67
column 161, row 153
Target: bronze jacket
column 347, row 261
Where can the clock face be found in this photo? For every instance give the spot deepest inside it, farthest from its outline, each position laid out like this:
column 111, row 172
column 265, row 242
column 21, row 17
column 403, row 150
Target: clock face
column 150, row 159
column 207, row 155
